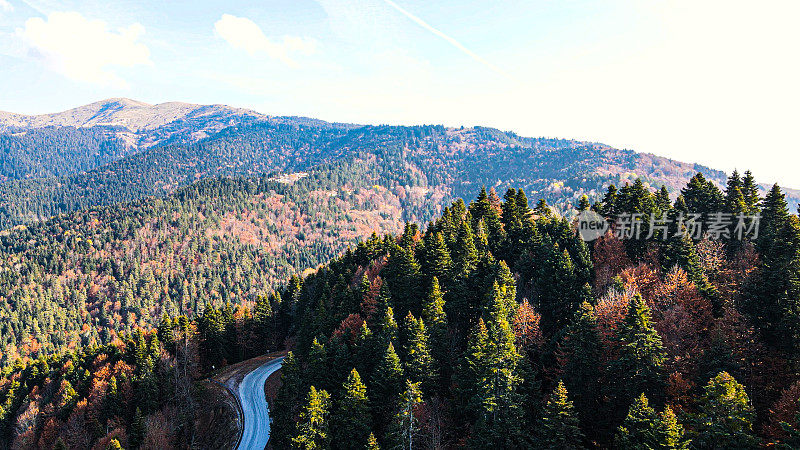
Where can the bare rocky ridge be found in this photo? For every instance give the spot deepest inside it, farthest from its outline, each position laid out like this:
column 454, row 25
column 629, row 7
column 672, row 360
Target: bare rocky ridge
column 130, row 114
column 139, row 125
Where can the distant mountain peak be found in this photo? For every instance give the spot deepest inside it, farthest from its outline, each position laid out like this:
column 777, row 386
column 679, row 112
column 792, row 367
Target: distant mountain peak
column 132, row 115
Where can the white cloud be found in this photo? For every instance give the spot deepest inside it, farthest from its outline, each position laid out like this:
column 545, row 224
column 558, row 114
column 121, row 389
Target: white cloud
column 83, row 49
column 5, row 6
column 242, row 33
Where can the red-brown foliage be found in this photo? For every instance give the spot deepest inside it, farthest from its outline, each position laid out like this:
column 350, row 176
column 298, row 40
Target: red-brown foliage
column 349, row 328
column 609, row 260
column 683, row 319
column 783, row 410
column 526, row 326
column 643, row 279
column 610, row 311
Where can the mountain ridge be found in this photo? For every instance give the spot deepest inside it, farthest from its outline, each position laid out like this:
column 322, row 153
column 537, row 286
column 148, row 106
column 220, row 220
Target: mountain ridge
column 131, row 114
column 55, row 169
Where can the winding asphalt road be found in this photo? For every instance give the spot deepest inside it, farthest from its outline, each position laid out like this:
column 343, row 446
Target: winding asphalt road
column 254, row 405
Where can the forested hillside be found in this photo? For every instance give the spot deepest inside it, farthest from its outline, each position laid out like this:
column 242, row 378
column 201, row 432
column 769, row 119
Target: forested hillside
column 492, row 326
column 496, row 327
column 455, row 160
column 84, row 277
column 55, row 152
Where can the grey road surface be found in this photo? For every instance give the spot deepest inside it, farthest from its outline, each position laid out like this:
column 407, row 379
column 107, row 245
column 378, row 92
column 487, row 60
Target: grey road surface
column 254, row 405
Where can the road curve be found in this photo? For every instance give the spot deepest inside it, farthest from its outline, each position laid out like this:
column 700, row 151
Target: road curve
column 254, row 405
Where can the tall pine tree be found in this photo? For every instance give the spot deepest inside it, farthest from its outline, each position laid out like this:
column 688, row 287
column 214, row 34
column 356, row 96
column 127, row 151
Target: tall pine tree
column 312, row 426
column 725, row 416
column 560, row 424
column 350, row 420
column 639, row 367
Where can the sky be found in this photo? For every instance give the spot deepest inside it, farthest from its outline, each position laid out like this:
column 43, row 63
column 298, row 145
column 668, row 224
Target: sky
column 713, row 82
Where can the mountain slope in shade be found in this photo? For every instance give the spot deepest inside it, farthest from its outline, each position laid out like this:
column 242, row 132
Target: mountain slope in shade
column 90, row 136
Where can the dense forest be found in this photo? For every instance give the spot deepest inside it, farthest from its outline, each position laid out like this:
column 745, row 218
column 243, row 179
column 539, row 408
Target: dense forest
column 493, row 326
column 55, row 152
column 498, row 327
column 63, row 172
column 82, row 278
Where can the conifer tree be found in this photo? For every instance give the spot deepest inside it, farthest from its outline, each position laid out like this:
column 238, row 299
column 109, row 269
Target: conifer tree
column 513, row 220
column 482, row 241
column 483, row 211
column 350, row 420
column 636, row 198
column 734, row 198
column 446, row 226
column 772, row 295
column 437, row 262
column 644, row 428
column 662, row 199
column 138, row 428
column 579, row 355
column 734, row 182
column 409, row 234
column 405, row 426
column 750, row 192
column 702, row 196
column 560, row 424
column 583, row 203
column 367, row 349
column 372, row 443
column 433, row 308
column 725, row 416
column 312, row 426
column 608, row 207
column 523, row 209
column 262, row 319
column 682, row 252
column 639, row 367
column 774, row 216
column 434, row 316
column 670, row 432
column 387, row 327
column 113, row 404
column 403, row 276
column 680, row 205
column 466, row 254
column 386, row 385
column 316, row 373
column 510, row 209
column 286, row 402
column 542, row 208
column 417, row 355
column 559, row 290
column 471, row 369
column 736, row 206
column 341, row 358
column 640, row 427
column 164, row 332
column 497, row 399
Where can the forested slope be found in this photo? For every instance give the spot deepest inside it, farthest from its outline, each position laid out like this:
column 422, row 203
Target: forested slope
column 456, row 160
column 83, row 277
column 494, row 325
